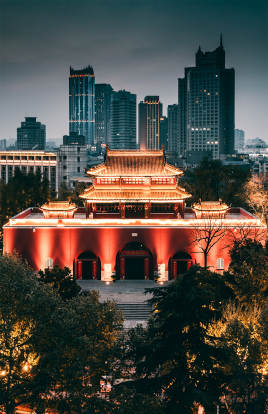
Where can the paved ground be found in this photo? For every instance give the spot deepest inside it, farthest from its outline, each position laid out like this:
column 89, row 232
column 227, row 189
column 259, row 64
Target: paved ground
column 121, row 291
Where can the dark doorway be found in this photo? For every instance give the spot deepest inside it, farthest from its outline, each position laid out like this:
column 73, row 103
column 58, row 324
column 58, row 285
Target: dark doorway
column 134, row 262
column 87, row 273
column 134, row 268
column 180, row 263
column 87, row 266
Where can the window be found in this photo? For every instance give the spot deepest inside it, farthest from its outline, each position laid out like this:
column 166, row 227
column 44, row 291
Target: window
column 49, row 263
column 220, row 264
column 78, row 169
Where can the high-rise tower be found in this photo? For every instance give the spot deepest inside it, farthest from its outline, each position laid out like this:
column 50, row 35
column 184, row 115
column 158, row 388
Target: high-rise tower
column 31, row 135
column 123, row 120
column 206, row 105
column 150, row 112
column 82, row 103
column 103, row 95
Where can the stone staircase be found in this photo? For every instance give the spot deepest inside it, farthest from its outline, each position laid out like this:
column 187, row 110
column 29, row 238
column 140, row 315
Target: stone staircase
column 135, row 311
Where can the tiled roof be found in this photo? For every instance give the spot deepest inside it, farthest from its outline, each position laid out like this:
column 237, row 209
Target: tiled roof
column 210, row 206
column 58, row 206
column 123, row 194
column 134, row 163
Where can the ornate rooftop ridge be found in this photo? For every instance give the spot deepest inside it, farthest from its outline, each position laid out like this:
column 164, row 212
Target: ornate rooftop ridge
column 134, row 163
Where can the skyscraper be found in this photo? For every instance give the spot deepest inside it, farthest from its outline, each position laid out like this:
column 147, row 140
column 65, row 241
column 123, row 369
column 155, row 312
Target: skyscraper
column 31, row 135
column 239, row 140
column 163, row 131
column 206, row 105
column 173, row 113
column 103, row 95
column 150, row 112
column 82, row 103
column 123, row 120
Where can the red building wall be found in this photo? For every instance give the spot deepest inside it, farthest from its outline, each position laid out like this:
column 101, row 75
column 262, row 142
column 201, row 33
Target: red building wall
column 65, row 244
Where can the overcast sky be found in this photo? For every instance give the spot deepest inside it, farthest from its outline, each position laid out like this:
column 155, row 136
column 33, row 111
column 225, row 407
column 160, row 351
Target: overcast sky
column 138, row 45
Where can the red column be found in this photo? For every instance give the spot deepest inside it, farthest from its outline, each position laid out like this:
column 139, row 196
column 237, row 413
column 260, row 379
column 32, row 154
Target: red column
column 94, row 269
column 122, row 268
column 174, row 269
column 146, row 268
column 189, row 264
column 79, row 269
column 122, row 210
column 146, row 210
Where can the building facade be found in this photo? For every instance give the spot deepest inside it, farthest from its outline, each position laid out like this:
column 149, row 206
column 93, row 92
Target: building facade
column 134, row 225
column 31, row 135
column 206, row 105
column 103, row 96
column 82, row 103
column 239, row 142
column 173, row 126
column 123, row 120
column 73, row 161
column 163, row 130
column 150, row 112
column 44, row 162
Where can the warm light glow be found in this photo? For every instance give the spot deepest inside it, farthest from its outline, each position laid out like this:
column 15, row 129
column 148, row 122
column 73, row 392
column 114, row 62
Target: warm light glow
column 3, row 373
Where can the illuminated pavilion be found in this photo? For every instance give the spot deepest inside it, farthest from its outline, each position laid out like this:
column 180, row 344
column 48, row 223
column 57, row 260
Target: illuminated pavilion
column 134, row 224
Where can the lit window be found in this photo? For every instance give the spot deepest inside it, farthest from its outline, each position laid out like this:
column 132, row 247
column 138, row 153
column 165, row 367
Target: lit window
column 220, row 264
column 49, row 263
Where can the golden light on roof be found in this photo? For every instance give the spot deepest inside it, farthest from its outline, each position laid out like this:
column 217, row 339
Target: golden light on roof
column 134, row 163
column 58, row 206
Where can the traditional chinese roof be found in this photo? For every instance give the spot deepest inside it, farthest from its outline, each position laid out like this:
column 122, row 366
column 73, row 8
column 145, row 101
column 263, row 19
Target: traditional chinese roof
column 134, row 163
column 58, row 206
column 210, row 206
column 122, row 194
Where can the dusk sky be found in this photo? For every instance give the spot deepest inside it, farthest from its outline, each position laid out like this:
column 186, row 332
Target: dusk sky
column 138, row 45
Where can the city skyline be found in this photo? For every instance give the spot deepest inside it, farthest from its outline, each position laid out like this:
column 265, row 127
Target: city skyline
column 127, row 52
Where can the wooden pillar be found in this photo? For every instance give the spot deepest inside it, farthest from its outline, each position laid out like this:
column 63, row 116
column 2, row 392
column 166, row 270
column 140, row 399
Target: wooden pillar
column 88, row 209
column 122, row 268
column 94, row 269
column 174, row 269
column 146, row 268
column 122, row 210
column 146, row 210
column 94, row 210
column 176, row 209
column 189, row 264
column 79, row 269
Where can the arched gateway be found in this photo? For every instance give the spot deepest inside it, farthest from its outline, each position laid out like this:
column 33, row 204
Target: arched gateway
column 134, row 262
column 179, row 264
column 87, row 266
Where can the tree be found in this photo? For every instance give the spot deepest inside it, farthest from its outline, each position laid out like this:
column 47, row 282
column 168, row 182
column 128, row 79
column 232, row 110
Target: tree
column 61, row 280
column 173, row 357
column 22, row 191
column 26, row 308
column 207, row 235
column 211, row 180
column 257, row 197
column 53, row 353
column 248, row 272
column 241, row 333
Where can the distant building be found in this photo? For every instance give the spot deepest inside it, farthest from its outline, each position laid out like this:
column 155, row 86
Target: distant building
column 163, row 132
column 239, row 140
column 173, row 124
column 73, row 159
column 3, row 144
column 44, row 162
column 103, row 96
column 31, row 135
column 82, row 103
column 74, row 138
column 206, row 105
column 150, row 112
column 123, row 120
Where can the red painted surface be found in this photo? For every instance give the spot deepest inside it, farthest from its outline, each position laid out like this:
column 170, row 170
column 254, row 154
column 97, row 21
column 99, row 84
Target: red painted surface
column 65, row 244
